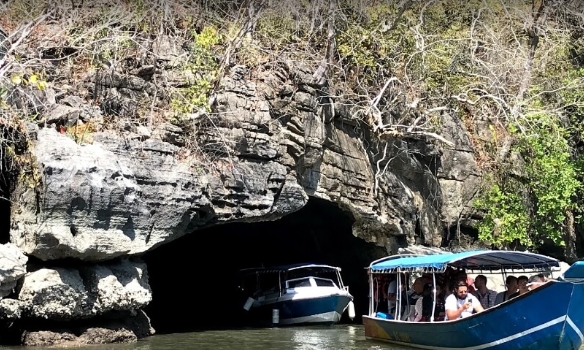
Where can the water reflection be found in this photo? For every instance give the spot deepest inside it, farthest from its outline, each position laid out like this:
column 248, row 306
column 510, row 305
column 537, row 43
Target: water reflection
column 345, row 337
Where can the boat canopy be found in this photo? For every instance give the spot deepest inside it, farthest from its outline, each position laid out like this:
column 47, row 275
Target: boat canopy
column 317, row 268
column 487, row 260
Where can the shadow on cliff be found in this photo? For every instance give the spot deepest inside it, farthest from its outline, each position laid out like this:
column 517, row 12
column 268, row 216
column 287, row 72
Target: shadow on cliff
column 192, row 278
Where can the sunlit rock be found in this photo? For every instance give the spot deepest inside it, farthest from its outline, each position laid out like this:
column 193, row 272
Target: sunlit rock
column 12, row 268
column 55, row 293
column 10, row 309
column 68, row 293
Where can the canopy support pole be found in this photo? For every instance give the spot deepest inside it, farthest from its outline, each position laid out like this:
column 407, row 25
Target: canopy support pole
column 434, row 300
column 398, row 305
column 371, row 295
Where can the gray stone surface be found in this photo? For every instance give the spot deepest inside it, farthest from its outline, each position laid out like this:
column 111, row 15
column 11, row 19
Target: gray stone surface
column 12, row 268
column 68, row 293
column 264, row 151
column 128, row 330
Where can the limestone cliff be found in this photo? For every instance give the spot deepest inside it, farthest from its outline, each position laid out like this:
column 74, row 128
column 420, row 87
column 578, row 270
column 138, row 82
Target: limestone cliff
column 106, row 183
column 125, row 193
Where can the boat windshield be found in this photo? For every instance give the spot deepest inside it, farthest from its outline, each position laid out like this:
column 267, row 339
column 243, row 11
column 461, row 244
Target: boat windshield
column 301, row 282
column 321, row 282
column 306, row 282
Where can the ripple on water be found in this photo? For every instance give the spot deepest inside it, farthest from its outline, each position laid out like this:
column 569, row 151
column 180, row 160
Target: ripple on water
column 338, row 337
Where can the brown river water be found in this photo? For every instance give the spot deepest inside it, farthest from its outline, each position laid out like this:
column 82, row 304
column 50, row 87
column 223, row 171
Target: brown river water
column 338, row 337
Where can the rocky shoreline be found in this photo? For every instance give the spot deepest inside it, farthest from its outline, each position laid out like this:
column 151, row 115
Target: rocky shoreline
column 94, row 304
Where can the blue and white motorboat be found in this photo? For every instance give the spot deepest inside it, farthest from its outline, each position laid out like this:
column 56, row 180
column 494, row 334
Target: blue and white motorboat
column 550, row 317
column 296, row 294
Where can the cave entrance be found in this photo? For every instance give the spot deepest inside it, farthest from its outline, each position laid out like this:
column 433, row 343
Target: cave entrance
column 192, row 278
column 5, row 193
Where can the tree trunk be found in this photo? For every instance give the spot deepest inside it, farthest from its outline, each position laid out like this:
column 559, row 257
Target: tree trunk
column 570, row 238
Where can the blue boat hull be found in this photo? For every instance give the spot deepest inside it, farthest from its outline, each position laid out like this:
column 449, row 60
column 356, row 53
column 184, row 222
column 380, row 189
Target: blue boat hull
column 319, row 310
column 550, row 317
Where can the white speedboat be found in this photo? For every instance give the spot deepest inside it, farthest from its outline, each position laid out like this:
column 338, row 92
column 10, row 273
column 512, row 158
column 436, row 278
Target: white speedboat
column 296, row 294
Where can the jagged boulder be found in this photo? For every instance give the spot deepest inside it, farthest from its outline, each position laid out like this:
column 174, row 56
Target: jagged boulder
column 126, row 330
column 68, row 293
column 55, row 293
column 12, row 268
column 11, row 309
column 118, row 287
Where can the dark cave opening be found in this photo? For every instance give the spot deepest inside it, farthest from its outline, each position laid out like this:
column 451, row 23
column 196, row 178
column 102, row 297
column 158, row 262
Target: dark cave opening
column 461, row 236
column 193, row 278
column 14, row 143
column 5, row 205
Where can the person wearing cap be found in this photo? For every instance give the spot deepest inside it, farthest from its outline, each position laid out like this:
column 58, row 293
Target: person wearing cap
column 485, row 295
column 461, row 303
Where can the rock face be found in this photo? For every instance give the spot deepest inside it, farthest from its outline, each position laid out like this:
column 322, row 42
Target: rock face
column 105, row 189
column 119, row 197
column 130, row 330
column 12, row 268
column 67, row 293
column 269, row 150
column 95, row 304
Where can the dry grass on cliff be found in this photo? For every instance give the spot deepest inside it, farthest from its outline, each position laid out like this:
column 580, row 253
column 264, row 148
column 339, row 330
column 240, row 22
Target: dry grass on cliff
column 59, row 49
column 63, row 44
column 400, row 65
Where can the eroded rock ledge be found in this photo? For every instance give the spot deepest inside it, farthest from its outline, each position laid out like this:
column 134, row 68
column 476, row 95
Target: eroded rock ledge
column 124, row 194
column 111, row 295
column 126, row 188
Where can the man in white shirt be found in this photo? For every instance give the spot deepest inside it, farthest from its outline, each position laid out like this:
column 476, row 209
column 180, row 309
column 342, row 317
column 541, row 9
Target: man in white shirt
column 461, row 303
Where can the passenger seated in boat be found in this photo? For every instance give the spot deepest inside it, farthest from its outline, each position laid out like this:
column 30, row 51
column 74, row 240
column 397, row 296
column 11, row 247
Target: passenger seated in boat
column 521, row 286
column 412, row 297
column 423, row 308
column 392, row 296
column 462, row 276
column 439, row 311
column 485, row 295
column 536, row 281
column 392, row 292
column 461, row 304
column 511, row 285
column 417, row 290
column 381, row 285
